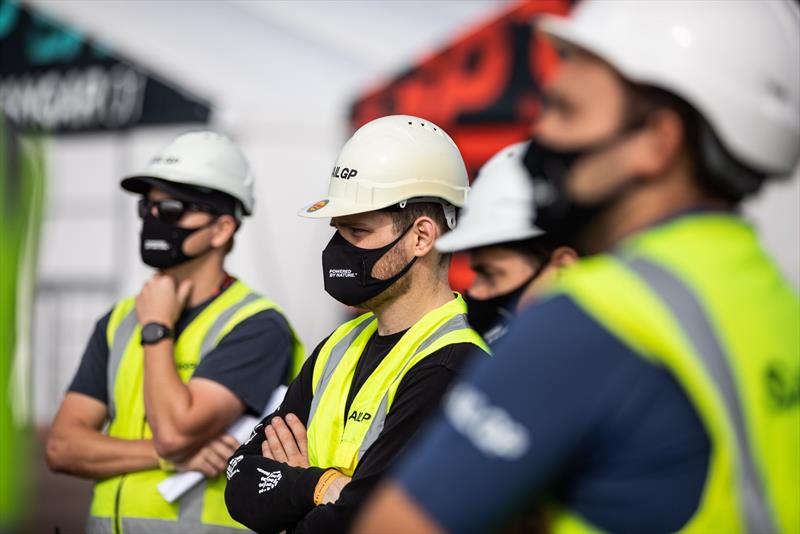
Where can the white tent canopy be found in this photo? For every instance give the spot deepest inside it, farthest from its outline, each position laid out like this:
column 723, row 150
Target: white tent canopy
column 280, row 77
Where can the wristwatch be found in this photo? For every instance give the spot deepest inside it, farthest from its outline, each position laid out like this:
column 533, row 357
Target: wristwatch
column 155, row 332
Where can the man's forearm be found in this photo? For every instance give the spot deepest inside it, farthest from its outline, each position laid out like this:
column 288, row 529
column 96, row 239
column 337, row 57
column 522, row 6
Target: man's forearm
column 269, row 496
column 167, row 400
column 88, row 453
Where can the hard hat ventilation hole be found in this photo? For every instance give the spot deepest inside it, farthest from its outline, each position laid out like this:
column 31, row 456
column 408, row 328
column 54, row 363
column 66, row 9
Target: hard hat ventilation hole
column 409, row 123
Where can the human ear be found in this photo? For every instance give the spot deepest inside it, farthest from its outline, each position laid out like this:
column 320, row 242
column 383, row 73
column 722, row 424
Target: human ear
column 659, row 144
column 224, row 228
column 563, row 257
column 425, row 232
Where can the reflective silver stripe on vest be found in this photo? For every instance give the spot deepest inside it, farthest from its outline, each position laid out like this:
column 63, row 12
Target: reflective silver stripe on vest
column 99, row 525
column 457, row 322
column 337, row 353
column 191, row 512
column 696, row 326
column 210, row 341
column 121, row 338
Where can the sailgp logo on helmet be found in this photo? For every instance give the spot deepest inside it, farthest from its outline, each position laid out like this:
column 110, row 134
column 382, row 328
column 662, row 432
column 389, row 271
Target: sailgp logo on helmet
column 343, row 172
column 165, row 159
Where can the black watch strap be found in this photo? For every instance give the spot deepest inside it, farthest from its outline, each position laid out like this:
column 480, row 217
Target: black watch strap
column 155, row 332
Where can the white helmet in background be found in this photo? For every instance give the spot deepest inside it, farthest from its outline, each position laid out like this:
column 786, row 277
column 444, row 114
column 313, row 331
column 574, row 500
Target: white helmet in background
column 392, row 160
column 501, row 206
column 202, row 159
column 737, row 63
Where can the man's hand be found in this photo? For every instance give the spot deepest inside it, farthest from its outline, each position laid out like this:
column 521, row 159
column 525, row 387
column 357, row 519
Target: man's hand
column 286, row 441
column 212, row 459
column 161, row 300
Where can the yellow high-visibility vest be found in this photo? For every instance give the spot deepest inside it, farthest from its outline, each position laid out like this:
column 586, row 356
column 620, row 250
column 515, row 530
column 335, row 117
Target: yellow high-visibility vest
column 698, row 297
column 131, row 503
column 336, row 442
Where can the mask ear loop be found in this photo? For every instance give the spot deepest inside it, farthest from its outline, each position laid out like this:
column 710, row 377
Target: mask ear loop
column 366, row 277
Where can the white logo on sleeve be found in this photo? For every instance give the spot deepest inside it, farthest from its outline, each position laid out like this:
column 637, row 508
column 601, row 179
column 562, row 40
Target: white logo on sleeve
column 232, row 466
column 269, row 480
column 253, row 434
column 490, row 428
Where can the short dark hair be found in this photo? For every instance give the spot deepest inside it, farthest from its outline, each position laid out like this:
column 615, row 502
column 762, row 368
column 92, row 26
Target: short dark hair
column 403, row 218
column 712, row 165
column 537, row 250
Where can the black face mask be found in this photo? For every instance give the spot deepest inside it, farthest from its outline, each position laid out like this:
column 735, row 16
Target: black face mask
column 347, row 270
column 556, row 213
column 485, row 315
column 161, row 244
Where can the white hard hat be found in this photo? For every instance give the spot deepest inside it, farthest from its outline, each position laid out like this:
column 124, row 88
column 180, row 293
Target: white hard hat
column 737, row 63
column 389, row 161
column 501, row 207
column 202, row 159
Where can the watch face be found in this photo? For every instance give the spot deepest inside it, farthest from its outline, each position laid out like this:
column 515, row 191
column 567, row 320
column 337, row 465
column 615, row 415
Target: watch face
column 153, row 332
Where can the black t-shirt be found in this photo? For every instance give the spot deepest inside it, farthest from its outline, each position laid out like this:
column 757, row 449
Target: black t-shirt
column 251, row 360
column 289, row 504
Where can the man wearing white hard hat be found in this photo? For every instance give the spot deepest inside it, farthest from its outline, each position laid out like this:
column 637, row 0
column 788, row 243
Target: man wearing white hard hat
column 512, row 258
column 657, row 389
column 166, row 372
column 367, row 388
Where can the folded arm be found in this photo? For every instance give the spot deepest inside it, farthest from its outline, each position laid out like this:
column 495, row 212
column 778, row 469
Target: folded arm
column 77, row 446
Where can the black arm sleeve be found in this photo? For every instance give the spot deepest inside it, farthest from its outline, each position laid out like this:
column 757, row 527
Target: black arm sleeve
column 270, row 496
column 91, row 378
column 417, row 397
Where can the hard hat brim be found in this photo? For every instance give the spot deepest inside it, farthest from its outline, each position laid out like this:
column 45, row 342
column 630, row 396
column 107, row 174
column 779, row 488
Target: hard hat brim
column 212, row 198
column 336, row 207
column 142, row 185
column 467, row 239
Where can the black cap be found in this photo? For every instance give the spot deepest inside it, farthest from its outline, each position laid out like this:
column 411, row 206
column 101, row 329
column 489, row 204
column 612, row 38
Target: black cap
column 217, row 201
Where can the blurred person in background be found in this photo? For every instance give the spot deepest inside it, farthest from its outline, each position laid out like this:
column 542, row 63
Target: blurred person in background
column 166, row 372
column 366, row 389
column 22, row 183
column 512, row 258
column 663, row 394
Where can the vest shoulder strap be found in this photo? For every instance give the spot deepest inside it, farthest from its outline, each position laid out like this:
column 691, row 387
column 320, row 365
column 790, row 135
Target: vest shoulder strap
column 118, row 313
column 338, row 343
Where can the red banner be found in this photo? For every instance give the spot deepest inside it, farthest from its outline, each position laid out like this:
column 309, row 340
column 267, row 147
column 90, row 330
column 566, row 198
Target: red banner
column 483, row 89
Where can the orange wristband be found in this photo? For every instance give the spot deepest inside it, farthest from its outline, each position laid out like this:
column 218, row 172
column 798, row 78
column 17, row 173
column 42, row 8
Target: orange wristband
column 324, row 483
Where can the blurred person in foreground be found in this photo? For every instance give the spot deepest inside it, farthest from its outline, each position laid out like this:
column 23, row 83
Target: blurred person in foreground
column 657, row 389
column 512, row 258
column 166, row 372
column 22, row 184
column 366, row 389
